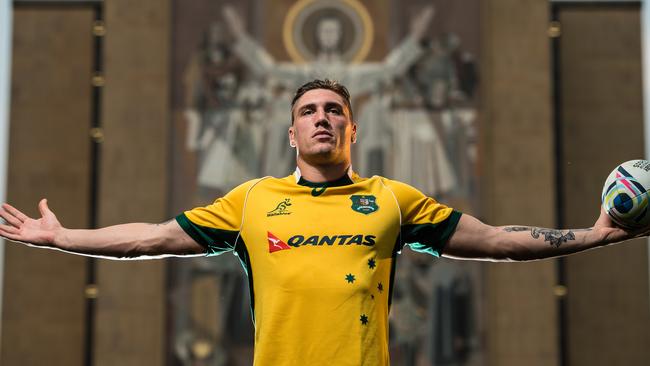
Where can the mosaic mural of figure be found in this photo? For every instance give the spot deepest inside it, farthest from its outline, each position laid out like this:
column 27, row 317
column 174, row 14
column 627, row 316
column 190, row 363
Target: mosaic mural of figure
column 364, row 79
column 219, row 106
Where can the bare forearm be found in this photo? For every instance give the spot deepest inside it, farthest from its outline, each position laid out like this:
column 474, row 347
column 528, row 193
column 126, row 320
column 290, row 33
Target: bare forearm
column 126, row 241
column 521, row 243
column 476, row 240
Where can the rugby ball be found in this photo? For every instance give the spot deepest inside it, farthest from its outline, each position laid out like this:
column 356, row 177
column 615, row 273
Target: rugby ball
column 625, row 194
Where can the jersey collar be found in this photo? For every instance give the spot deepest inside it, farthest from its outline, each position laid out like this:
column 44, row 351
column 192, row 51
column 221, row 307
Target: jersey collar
column 320, row 187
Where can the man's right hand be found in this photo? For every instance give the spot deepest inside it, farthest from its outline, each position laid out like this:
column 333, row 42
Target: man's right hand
column 20, row 227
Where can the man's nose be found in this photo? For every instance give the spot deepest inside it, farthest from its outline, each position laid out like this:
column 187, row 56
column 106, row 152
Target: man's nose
column 321, row 118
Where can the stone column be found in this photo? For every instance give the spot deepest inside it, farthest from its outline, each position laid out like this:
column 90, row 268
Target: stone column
column 518, row 176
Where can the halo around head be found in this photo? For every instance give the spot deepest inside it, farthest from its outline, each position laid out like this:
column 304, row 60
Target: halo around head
column 299, row 25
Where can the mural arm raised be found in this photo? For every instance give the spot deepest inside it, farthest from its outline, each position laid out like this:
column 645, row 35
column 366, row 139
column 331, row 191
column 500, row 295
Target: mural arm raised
column 400, row 58
column 409, row 50
column 254, row 56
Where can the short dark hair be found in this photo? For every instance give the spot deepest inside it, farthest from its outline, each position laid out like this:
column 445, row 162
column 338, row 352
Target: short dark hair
column 328, row 84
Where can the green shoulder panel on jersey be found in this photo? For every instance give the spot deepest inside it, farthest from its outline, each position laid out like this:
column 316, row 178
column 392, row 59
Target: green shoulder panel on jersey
column 426, row 225
column 430, row 238
column 215, row 241
column 244, row 258
column 216, row 226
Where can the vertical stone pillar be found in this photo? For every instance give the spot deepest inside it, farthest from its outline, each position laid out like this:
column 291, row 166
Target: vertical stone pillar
column 49, row 152
column 602, row 114
column 130, row 314
column 518, row 175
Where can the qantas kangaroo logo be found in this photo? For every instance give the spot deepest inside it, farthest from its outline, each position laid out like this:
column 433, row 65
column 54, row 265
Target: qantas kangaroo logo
column 275, row 244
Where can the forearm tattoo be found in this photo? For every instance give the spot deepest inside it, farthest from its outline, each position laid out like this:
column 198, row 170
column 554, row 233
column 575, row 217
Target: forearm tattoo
column 553, row 236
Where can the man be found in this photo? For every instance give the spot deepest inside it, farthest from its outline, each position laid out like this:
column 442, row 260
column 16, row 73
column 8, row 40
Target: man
column 318, row 246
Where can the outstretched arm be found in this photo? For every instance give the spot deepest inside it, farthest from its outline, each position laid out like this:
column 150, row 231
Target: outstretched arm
column 476, row 240
column 127, row 241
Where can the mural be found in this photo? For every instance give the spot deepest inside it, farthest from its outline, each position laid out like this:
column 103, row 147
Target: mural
column 412, row 71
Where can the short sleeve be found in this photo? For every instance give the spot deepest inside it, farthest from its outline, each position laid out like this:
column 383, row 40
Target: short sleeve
column 427, row 224
column 216, row 226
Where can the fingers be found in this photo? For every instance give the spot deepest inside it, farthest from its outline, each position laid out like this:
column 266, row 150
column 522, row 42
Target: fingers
column 9, row 232
column 15, row 212
column 8, row 229
column 10, row 219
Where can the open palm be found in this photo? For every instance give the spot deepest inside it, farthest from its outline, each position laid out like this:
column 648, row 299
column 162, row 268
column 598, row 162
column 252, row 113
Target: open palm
column 20, row 227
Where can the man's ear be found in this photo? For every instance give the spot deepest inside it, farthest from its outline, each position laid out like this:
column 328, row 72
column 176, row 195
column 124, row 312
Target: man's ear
column 292, row 138
column 354, row 132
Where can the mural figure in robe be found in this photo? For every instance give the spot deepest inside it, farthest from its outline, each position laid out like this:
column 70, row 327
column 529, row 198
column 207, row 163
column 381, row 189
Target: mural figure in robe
column 367, row 79
column 222, row 106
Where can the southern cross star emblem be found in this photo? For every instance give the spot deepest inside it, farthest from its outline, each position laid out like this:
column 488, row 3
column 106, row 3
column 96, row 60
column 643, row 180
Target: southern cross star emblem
column 350, row 278
column 363, row 319
column 371, row 263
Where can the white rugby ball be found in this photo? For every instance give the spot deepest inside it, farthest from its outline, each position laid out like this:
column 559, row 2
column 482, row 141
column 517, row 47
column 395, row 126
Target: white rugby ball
column 625, row 194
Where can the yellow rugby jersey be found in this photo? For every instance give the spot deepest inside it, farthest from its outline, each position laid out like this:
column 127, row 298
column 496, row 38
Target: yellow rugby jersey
column 320, row 260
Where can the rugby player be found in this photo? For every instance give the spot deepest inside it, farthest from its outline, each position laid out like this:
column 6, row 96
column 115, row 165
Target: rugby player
column 319, row 246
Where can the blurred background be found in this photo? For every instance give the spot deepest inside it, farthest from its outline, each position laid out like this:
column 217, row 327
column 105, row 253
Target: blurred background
column 512, row 110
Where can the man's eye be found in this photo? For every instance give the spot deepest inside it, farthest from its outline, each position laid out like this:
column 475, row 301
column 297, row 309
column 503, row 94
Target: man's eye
column 307, row 111
column 335, row 110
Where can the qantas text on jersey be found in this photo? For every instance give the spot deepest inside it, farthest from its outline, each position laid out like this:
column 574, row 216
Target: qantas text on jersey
column 339, row 239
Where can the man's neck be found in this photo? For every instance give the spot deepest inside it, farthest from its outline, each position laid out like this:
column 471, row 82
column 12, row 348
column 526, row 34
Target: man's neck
column 322, row 173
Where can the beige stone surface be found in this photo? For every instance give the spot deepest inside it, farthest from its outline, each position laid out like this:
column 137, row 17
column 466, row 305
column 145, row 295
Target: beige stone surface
column 43, row 299
column 517, row 161
column 130, row 319
column 608, row 300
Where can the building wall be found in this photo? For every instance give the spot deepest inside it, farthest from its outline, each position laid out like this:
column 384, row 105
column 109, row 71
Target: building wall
column 602, row 123
column 518, row 174
column 44, row 316
column 131, row 305
column 600, row 85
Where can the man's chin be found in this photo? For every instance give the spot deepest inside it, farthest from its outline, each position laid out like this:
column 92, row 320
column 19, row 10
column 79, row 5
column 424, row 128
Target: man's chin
column 320, row 156
column 322, row 148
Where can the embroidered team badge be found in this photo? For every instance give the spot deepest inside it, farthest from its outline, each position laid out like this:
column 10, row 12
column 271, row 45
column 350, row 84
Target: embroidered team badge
column 275, row 244
column 364, row 204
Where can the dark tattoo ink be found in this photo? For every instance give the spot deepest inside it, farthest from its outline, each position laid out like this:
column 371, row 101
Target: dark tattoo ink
column 553, row 236
column 516, row 228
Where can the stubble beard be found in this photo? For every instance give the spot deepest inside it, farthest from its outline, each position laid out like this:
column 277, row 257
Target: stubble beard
column 322, row 156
